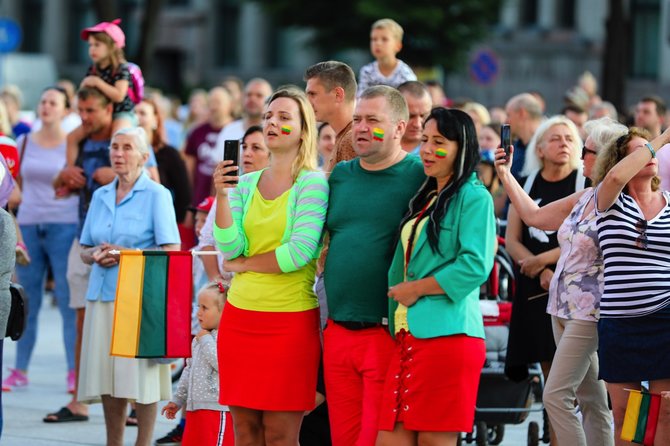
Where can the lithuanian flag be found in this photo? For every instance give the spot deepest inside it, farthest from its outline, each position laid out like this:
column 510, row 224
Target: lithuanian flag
column 152, row 314
column 641, row 419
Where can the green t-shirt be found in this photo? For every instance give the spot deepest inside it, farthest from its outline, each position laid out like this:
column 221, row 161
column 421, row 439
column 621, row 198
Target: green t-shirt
column 364, row 213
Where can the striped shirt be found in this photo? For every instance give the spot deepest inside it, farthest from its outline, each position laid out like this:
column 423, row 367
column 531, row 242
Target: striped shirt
column 637, row 259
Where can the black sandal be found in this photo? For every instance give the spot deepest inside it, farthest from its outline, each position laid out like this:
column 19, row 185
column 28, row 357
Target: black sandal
column 64, row 415
column 132, row 418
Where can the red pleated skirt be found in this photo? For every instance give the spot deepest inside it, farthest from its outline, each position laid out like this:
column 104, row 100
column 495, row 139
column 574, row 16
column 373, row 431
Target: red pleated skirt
column 268, row 360
column 431, row 384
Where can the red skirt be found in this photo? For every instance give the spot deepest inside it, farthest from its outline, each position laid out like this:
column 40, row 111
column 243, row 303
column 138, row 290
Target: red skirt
column 431, row 384
column 208, row 428
column 268, row 360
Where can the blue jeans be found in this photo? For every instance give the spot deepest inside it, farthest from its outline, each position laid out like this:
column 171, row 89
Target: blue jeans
column 48, row 244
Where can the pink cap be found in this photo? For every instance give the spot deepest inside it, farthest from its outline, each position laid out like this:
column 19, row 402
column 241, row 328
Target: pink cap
column 112, row 29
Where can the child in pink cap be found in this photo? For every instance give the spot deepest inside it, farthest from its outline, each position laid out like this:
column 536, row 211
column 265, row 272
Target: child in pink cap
column 110, row 74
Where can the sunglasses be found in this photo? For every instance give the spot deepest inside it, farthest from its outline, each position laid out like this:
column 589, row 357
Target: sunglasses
column 641, row 241
column 585, row 150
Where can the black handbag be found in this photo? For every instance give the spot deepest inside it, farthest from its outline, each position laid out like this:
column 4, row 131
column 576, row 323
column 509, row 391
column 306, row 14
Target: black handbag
column 18, row 313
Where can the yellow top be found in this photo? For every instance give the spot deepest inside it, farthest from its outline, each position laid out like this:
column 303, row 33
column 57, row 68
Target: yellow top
column 400, row 314
column 264, row 225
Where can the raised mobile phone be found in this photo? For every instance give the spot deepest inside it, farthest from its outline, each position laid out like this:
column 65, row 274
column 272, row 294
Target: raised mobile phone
column 505, row 137
column 231, row 151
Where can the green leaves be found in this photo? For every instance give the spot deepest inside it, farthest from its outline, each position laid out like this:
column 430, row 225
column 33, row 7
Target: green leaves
column 437, row 32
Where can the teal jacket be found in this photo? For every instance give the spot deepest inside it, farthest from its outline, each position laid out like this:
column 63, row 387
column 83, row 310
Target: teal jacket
column 467, row 248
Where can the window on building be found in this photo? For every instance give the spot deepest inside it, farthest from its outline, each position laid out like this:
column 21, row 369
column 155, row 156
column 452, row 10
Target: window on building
column 645, row 23
column 529, row 12
column 565, row 14
column 81, row 15
column 32, row 23
column 227, row 33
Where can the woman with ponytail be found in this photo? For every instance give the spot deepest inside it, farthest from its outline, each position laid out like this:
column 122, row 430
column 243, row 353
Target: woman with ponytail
column 444, row 253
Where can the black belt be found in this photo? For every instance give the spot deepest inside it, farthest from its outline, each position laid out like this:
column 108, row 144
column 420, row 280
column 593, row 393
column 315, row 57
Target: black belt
column 354, row 325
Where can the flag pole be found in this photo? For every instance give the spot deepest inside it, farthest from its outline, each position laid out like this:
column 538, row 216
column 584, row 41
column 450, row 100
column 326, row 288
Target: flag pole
column 195, row 253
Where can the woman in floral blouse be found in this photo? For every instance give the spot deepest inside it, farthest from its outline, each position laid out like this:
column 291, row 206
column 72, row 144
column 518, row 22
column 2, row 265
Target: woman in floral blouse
column 574, row 297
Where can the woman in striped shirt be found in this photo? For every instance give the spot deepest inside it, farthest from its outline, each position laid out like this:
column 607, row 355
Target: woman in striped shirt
column 268, row 227
column 633, row 227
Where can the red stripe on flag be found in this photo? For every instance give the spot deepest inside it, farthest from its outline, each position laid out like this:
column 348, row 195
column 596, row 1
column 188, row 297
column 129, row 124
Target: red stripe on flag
column 179, row 298
column 652, row 420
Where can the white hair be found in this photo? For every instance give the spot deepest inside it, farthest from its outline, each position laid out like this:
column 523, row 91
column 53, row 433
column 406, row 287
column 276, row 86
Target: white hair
column 533, row 162
column 604, row 131
column 139, row 135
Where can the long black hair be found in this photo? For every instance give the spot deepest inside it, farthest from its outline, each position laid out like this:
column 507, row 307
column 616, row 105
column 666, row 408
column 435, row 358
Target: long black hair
column 455, row 125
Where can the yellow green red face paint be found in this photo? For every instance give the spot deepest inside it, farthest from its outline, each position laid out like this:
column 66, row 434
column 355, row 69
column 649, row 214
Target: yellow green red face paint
column 286, row 129
column 377, row 134
column 440, row 153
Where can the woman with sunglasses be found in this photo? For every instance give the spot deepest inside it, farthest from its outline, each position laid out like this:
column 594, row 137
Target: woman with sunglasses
column 574, row 296
column 633, row 225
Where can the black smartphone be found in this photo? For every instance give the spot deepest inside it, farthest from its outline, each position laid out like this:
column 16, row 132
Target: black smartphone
column 505, row 137
column 231, row 151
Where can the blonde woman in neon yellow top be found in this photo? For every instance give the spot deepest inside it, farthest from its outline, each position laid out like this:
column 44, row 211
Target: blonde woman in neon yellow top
column 269, row 229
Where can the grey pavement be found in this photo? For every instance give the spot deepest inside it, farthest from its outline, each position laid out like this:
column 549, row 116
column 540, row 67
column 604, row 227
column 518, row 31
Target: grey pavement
column 23, row 409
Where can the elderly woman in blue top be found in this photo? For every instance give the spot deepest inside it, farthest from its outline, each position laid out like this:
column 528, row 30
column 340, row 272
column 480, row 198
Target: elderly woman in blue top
column 445, row 252
column 131, row 212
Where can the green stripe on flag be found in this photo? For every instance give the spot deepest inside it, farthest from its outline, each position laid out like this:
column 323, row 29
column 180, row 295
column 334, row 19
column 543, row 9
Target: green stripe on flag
column 152, row 326
column 642, row 418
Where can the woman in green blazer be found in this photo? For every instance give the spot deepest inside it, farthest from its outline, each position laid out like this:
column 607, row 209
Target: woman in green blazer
column 445, row 250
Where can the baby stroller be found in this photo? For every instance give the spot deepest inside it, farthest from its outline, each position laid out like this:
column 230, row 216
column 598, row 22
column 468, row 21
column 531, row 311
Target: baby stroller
column 501, row 401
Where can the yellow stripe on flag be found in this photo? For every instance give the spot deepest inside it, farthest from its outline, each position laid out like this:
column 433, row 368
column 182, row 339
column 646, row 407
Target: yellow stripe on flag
column 128, row 304
column 632, row 414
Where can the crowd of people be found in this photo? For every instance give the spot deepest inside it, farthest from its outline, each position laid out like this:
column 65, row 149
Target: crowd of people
column 352, row 239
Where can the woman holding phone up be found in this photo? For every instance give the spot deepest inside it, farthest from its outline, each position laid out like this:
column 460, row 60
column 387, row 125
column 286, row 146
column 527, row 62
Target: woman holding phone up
column 269, row 228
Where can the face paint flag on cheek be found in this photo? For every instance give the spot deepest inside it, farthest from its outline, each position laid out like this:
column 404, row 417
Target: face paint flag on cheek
column 377, row 134
column 286, row 129
column 440, row 153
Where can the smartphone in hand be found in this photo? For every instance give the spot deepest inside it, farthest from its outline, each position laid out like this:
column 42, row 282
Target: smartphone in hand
column 231, row 151
column 505, row 137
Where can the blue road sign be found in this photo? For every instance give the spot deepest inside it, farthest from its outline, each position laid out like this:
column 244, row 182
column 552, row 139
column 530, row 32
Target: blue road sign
column 10, row 35
column 484, row 67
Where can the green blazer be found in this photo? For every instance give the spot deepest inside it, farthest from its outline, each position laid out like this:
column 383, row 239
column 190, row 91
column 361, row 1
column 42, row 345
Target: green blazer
column 467, row 247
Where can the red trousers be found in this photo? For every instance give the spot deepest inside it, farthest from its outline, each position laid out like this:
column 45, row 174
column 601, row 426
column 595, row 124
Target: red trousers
column 355, row 364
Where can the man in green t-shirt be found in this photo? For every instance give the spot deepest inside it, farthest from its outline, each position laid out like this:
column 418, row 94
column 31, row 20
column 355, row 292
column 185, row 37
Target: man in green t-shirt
column 368, row 197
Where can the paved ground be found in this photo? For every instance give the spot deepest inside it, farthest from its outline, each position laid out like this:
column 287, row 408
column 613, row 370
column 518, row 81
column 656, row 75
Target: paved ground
column 24, row 409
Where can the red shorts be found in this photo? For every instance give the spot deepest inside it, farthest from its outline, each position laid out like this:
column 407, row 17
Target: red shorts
column 208, row 428
column 431, row 385
column 268, row 360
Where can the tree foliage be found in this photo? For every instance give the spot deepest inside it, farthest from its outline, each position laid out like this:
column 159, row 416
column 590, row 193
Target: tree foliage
column 437, row 32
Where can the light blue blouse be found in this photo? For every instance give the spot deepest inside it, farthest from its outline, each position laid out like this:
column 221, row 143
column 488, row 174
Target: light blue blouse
column 144, row 219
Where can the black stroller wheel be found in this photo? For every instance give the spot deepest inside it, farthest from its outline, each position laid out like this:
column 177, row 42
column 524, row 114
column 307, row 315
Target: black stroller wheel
column 496, row 434
column 481, row 436
column 533, row 434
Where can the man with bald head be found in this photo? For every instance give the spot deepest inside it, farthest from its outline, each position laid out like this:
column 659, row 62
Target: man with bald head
column 200, row 153
column 419, row 104
column 256, row 92
column 524, row 115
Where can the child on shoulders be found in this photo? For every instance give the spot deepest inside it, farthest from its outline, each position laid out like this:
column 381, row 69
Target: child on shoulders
column 387, row 69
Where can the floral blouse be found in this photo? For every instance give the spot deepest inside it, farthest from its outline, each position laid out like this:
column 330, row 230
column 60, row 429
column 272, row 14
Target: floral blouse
column 575, row 289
